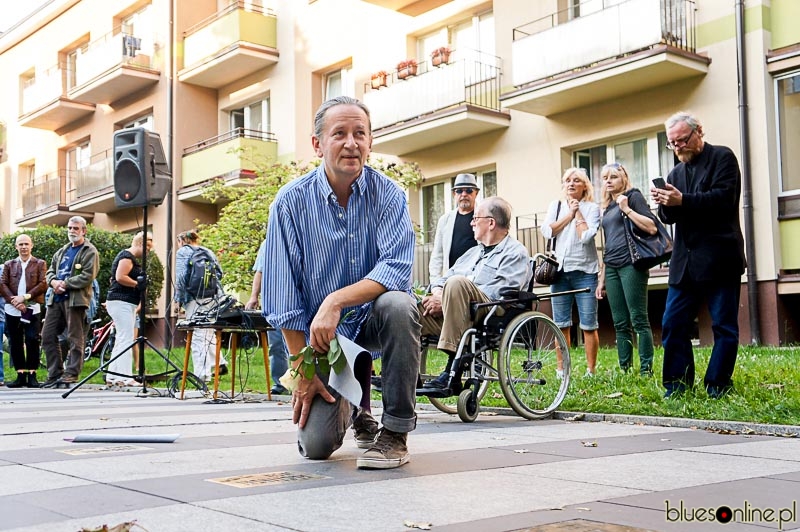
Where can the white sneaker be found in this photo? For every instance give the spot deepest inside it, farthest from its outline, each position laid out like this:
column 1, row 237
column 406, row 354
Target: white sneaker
column 589, row 374
column 560, row 374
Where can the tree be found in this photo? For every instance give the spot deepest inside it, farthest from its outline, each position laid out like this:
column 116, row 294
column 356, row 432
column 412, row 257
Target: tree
column 241, row 226
column 47, row 239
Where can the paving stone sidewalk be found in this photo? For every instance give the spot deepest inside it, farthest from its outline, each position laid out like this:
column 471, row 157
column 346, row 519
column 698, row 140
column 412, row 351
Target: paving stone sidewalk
column 236, row 467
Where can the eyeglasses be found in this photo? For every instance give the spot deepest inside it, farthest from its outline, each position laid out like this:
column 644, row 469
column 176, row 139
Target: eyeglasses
column 482, row 217
column 467, row 190
column 680, row 143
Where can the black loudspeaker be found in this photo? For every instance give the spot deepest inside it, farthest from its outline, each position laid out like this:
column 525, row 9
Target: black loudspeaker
column 141, row 171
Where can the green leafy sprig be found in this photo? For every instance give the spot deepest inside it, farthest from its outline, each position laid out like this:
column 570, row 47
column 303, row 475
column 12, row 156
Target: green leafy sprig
column 309, row 358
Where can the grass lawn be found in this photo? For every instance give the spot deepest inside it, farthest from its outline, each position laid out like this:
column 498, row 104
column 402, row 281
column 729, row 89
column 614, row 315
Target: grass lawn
column 766, row 388
column 766, row 381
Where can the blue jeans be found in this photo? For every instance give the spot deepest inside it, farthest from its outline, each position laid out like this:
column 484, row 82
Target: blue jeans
column 278, row 356
column 587, row 303
column 683, row 303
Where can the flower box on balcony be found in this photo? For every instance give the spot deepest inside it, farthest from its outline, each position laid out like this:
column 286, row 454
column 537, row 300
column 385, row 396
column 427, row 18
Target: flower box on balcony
column 379, row 79
column 406, row 68
column 440, row 56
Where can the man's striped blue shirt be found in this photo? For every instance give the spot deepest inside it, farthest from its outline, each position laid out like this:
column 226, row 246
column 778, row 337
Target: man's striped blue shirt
column 314, row 247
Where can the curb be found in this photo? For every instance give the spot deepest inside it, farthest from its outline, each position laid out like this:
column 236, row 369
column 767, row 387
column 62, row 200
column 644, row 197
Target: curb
column 722, row 426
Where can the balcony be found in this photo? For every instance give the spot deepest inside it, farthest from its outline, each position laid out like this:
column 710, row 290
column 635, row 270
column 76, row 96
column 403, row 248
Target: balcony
column 450, row 102
column 411, row 8
column 229, row 156
column 612, row 53
column 45, row 104
column 112, row 67
column 229, row 45
column 94, row 185
column 43, row 203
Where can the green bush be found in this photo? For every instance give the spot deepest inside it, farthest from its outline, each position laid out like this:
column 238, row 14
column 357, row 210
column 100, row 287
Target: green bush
column 47, row 239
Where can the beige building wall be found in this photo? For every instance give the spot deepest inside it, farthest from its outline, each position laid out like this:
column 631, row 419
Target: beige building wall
column 529, row 152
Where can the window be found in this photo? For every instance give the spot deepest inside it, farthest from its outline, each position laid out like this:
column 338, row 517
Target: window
column 145, row 122
column 788, row 123
column 473, row 38
column 73, row 60
column 438, row 199
column 253, row 117
column 643, row 157
column 433, row 207
column 140, row 27
column 79, row 156
column 339, row 83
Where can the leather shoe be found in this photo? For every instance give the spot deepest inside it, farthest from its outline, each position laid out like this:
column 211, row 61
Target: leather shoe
column 223, row 369
column 22, row 380
column 32, row 382
column 440, row 382
column 279, row 390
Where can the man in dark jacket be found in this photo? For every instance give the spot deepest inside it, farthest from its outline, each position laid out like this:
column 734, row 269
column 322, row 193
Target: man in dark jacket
column 70, row 275
column 22, row 285
column 702, row 200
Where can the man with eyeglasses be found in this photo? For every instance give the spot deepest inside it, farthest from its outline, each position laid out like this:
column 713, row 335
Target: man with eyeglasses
column 702, row 199
column 70, row 275
column 483, row 273
column 453, row 231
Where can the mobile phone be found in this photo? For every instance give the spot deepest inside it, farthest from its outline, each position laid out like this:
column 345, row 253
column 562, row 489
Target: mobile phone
column 659, row 182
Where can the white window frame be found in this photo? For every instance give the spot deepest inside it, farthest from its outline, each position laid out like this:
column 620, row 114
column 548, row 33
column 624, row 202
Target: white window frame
column 778, row 121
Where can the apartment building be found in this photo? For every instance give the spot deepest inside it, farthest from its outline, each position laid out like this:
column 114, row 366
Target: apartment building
column 515, row 91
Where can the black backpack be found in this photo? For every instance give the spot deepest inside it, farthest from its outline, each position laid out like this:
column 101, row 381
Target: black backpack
column 202, row 274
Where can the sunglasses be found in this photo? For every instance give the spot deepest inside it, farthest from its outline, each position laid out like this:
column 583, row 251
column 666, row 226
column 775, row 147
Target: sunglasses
column 468, row 190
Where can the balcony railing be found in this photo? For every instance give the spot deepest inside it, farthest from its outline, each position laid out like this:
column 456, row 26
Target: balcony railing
column 236, row 22
column 461, row 81
column 228, row 154
column 42, row 196
column 97, row 176
column 596, row 31
column 42, row 89
column 109, row 51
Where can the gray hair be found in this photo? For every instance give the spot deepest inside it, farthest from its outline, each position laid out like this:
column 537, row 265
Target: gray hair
column 499, row 209
column 683, row 116
column 319, row 118
column 78, row 219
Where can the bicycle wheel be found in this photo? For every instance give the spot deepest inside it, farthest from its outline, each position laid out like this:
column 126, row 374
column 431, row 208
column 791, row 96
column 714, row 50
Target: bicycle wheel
column 528, row 363
column 108, row 347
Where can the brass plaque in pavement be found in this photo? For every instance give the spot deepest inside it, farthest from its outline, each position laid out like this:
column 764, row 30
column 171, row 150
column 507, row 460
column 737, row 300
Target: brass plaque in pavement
column 104, row 449
column 582, row 525
column 265, row 479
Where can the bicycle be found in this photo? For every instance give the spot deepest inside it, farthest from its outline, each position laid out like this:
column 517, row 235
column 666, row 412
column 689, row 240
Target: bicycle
column 100, row 342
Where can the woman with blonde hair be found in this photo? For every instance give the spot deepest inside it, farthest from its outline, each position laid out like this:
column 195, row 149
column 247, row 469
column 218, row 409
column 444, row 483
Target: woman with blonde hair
column 574, row 221
column 123, row 297
column 623, row 284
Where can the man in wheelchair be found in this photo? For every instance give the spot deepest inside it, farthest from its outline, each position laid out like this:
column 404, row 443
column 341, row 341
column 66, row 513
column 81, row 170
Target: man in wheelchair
column 496, row 265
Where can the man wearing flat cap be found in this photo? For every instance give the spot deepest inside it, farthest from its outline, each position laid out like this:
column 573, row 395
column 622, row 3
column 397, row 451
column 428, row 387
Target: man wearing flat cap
column 454, row 233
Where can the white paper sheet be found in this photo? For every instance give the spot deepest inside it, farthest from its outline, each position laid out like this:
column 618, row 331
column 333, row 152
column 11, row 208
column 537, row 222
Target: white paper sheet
column 353, row 381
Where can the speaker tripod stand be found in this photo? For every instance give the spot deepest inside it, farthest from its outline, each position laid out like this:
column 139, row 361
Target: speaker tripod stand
column 141, row 340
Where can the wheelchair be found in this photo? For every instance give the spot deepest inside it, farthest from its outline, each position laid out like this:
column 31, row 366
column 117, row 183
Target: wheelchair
column 517, row 347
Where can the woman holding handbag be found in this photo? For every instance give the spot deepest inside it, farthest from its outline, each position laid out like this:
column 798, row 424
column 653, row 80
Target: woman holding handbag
column 624, row 284
column 573, row 223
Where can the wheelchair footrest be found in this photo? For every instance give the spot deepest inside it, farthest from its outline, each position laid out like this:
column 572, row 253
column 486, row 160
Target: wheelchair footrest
column 436, row 393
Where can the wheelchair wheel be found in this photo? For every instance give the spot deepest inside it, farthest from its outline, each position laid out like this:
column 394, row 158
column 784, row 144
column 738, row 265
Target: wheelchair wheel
column 528, row 363
column 468, row 406
column 450, row 405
